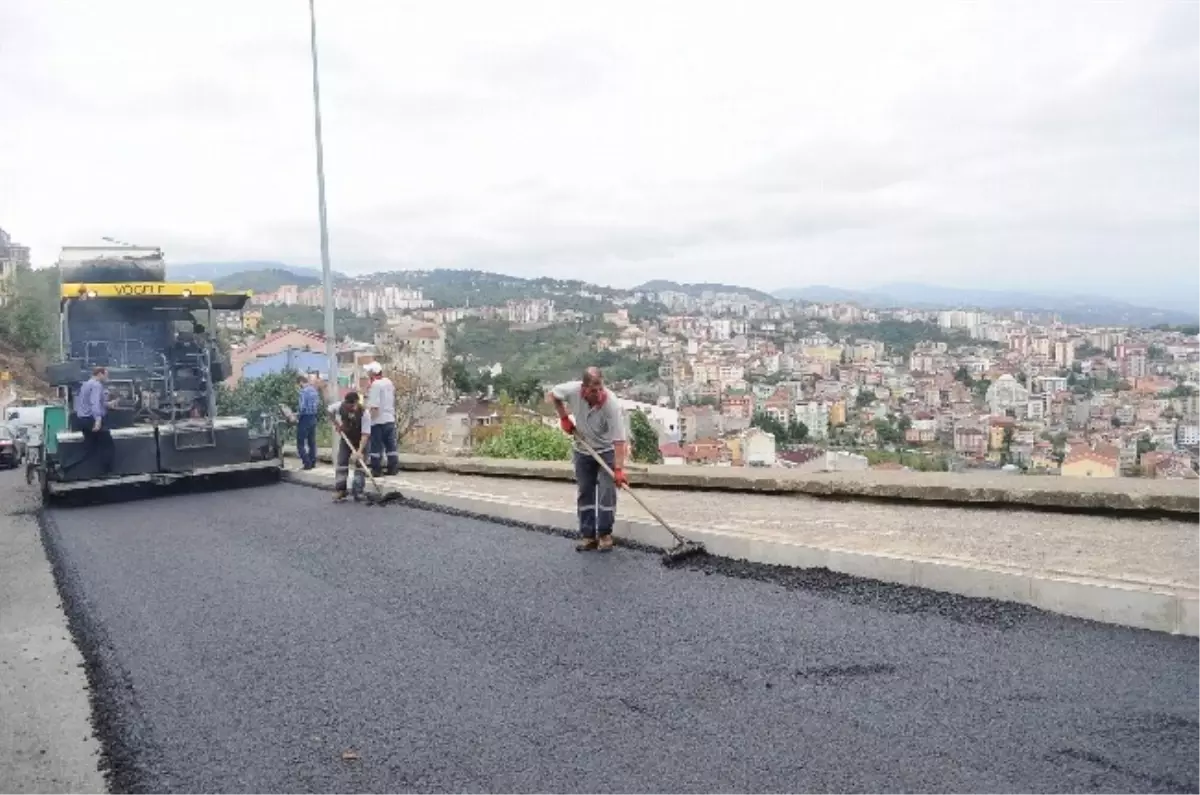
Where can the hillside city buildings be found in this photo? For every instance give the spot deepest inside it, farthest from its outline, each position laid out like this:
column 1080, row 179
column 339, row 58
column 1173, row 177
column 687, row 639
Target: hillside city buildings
column 740, row 379
column 1009, row 391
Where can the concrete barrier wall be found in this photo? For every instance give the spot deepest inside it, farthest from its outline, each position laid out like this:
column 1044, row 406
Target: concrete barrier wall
column 1178, row 498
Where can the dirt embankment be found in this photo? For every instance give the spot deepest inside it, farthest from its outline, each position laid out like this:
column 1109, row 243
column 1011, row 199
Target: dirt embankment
column 24, row 374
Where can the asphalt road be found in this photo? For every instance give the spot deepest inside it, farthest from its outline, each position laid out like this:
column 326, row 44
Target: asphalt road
column 243, row 641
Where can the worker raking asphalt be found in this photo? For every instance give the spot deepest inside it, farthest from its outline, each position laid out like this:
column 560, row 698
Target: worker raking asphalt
column 282, row 647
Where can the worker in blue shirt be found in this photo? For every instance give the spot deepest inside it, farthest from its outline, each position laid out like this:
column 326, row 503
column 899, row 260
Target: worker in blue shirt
column 306, row 422
column 87, row 418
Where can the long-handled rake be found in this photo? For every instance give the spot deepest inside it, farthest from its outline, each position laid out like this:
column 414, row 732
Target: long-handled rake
column 380, row 497
column 683, row 547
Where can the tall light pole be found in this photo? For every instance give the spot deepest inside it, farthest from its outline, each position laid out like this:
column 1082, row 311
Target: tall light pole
column 326, row 271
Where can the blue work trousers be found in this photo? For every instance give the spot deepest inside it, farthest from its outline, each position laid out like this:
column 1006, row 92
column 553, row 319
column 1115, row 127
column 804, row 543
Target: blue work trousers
column 596, row 500
column 345, row 464
column 383, row 445
column 306, row 439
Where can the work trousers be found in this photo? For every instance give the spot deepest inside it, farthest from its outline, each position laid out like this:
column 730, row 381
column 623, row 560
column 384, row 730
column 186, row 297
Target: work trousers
column 96, row 444
column 306, row 439
column 596, row 500
column 383, row 444
column 345, row 463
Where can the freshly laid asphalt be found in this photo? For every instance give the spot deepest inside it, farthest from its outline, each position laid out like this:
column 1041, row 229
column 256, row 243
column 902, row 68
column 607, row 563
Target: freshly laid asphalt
column 247, row 640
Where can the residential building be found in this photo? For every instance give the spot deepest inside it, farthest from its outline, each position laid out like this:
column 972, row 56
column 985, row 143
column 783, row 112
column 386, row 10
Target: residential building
column 997, row 426
column 416, row 349
column 1187, row 435
column 970, row 440
column 698, row 422
column 838, row 412
column 1049, row 384
column 778, row 406
column 294, row 340
column 815, row 416
column 13, row 256
column 828, row 461
column 1173, row 465
column 703, row 452
column 537, row 311
column 672, row 454
column 923, row 429
column 738, row 406
column 1101, row 462
column 758, row 448
column 1005, row 394
column 1133, row 362
column 1064, row 353
column 461, row 422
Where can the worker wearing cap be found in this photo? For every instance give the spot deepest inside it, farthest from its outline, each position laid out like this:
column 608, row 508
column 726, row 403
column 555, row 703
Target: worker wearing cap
column 353, row 422
column 381, row 405
column 598, row 422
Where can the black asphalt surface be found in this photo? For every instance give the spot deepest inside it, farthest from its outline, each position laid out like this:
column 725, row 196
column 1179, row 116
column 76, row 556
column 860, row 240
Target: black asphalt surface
column 244, row 640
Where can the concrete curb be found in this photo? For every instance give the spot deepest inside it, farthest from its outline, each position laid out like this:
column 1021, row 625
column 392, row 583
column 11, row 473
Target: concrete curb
column 1178, row 499
column 1110, row 602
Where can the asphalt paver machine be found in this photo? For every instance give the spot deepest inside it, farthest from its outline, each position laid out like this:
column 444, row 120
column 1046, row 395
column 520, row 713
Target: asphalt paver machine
column 157, row 340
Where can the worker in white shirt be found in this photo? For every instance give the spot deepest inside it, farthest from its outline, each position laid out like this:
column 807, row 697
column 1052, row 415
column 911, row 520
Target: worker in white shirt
column 381, row 406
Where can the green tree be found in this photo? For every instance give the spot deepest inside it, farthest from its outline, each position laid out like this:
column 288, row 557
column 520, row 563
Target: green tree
column 887, row 433
column 455, row 373
column 864, row 398
column 644, row 439
column 30, row 321
column 257, row 398
column 766, row 422
column 797, row 432
column 529, row 441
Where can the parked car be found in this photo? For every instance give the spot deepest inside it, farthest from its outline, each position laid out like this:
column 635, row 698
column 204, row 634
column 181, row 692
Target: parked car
column 12, row 448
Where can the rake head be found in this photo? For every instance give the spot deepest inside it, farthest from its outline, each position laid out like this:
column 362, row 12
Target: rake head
column 682, row 550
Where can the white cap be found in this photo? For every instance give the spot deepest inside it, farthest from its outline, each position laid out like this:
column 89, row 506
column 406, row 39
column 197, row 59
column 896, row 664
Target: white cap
column 373, row 367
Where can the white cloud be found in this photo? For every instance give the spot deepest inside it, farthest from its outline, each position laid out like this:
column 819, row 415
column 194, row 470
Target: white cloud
column 775, row 143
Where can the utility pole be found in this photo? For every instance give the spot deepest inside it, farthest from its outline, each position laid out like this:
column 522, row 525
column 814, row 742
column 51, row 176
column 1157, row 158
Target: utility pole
column 326, row 270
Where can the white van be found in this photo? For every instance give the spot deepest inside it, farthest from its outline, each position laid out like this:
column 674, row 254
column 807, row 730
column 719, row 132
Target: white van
column 26, row 420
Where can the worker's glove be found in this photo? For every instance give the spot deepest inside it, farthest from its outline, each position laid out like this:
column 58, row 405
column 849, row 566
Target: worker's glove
column 567, row 426
column 620, row 479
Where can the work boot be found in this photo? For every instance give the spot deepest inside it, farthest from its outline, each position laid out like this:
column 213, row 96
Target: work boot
column 339, row 495
column 586, row 544
column 606, row 542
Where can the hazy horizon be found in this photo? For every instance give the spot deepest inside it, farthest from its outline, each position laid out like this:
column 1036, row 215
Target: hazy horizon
column 781, row 146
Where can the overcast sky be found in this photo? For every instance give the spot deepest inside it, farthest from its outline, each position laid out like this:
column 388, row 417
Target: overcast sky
column 1048, row 145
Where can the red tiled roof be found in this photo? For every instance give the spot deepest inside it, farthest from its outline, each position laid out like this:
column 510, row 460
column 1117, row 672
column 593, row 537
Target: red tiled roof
column 277, row 335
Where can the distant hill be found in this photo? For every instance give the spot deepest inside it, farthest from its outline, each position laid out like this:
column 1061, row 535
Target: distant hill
column 267, row 280
column 822, row 294
column 456, row 288
column 696, row 290
column 1072, row 308
column 215, row 271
